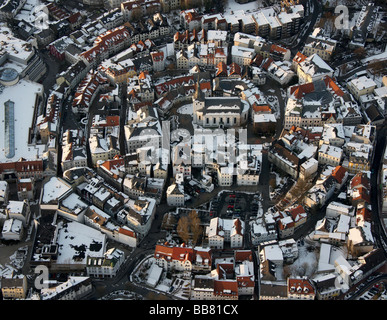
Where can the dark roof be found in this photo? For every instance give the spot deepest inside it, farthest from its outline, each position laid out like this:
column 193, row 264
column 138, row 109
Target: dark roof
column 225, row 104
column 273, row 290
column 12, row 282
column 204, row 283
column 374, row 113
column 372, row 259
column 278, row 148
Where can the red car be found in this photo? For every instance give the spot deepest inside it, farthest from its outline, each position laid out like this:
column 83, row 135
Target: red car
column 230, row 207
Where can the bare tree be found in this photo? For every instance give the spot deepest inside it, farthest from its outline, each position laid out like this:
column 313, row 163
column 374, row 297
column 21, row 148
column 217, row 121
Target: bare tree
column 195, row 226
column 377, row 67
column 360, row 53
column 189, row 228
column 183, row 229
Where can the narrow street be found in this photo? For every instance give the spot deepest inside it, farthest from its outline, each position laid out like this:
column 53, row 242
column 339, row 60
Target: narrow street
column 379, row 230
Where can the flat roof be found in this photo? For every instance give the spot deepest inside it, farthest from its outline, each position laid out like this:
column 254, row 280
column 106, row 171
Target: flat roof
column 23, row 105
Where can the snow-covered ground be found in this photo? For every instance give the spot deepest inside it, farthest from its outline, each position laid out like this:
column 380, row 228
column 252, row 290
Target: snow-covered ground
column 274, row 104
column 186, row 109
column 306, row 263
column 279, row 182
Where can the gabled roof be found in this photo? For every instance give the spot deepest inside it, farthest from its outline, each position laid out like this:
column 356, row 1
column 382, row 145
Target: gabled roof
column 299, row 57
column 363, row 214
column 264, row 108
column 181, row 253
column 362, row 194
column 234, row 69
column 360, row 180
column 75, row 17
column 267, row 62
column 297, row 211
column 299, row 91
column 243, row 255
column 285, row 223
column 338, row 173
column 277, row 49
column 331, row 84
column 221, row 69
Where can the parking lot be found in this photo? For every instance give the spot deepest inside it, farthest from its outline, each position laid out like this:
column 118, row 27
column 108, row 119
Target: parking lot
column 234, row 204
column 377, row 292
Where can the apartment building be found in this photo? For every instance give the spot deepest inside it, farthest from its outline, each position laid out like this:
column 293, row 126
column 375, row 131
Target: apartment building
column 361, row 86
column 330, row 155
column 14, row 288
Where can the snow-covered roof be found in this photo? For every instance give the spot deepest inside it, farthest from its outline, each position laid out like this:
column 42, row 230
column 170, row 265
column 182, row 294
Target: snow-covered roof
column 273, row 253
column 23, row 111
column 76, row 241
column 362, row 83
column 51, row 293
column 54, row 189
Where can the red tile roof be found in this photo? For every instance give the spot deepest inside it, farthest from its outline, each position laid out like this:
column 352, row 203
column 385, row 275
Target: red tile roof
column 360, row 179
column 235, row 69
column 267, row 62
column 110, row 164
column 221, row 69
column 174, row 253
column 226, row 288
column 330, row 83
column 338, row 173
column 245, row 282
column 365, row 213
column 238, row 226
column 276, row 48
column 243, row 255
column 265, row 108
column 299, row 91
column 363, row 195
column 300, row 286
column 106, row 40
column 283, row 226
column 297, row 211
column 75, row 17
column 127, row 232
column 181, row 253
column 299, row 57
column 224, row 269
